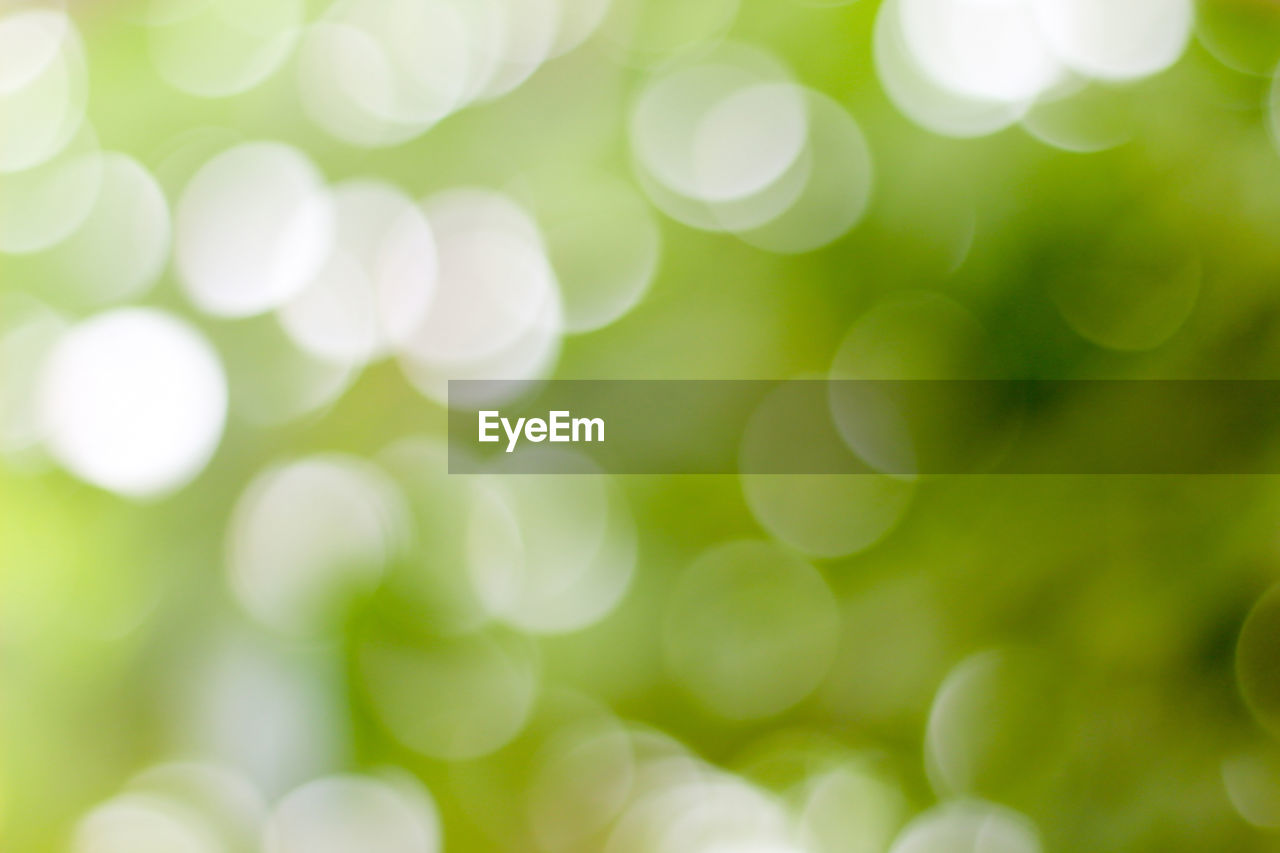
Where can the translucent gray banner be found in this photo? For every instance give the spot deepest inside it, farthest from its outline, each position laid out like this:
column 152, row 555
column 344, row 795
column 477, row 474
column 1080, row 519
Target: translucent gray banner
column 898, row 427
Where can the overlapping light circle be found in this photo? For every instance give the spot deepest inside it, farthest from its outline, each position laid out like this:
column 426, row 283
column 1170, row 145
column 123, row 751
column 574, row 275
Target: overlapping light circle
column 973, row 67
column 550, row 554
column 496, row 313
column 254, row 226
column 337, row 814
column 306, row 535
column 44, row 85
column 219, row 48
column 377, row 283
column 729, row 142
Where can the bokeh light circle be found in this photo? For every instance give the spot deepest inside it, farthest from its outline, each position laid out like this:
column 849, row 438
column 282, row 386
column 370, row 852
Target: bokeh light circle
column 133, row 401
column 254, row 225
column 550, row 554
column 455, row 699
column 750, row 629
column 307, row 535
column 343, row 814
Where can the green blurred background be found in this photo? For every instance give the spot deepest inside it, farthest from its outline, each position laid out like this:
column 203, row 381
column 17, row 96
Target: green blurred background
column 317, row 640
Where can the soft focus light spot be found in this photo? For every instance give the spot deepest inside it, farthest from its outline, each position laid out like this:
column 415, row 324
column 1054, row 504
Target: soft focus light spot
column 121, row 248
column 307, row 535
column 494, row 278
column 991, row 725
column 46, row 204
column 44, row 86
column 747, row 140
column 1242, row 36
column 1258, row 658
column 821, row 515
column 29, row 42
column 836, row 190
column 989, row 49
column 380, row 72
column 851, row 809
column 496, row 312
column 376, row 285
column 217, row 48
column 529, row 30
column 253, row 227
column 1114, row 40
column 579, row 785
column 705, row 154
column 902, row 428
column 689, row 117
column 268, row 713
column 827, row 516
column 347, row 87
column 605, row 248
column 920, row 97
column 454, row 699
column 550, row 554
column 968, row 826
column 134, row 823
column 579, row 20
column 750, row 629
column 1093, row 118
column 179, row 156
column 1252, row 783
column 227, row 799
column 709, row 813
column 530, row 357
column 133, row 401
column 344, row 814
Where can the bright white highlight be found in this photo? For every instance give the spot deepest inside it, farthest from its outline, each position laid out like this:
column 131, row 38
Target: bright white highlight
column 496, row 312
column 980, row 48
column 920, row 97
column 973, row 67
column 133, row 401
column 377, row 284
column 254, row 225
column 1116, row 39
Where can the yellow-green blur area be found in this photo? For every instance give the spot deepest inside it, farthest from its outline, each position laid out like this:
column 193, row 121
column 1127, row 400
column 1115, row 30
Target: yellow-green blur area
column 244, row 608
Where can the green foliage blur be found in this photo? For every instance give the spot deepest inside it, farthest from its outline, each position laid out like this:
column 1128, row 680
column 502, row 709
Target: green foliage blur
column 1088, row 631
